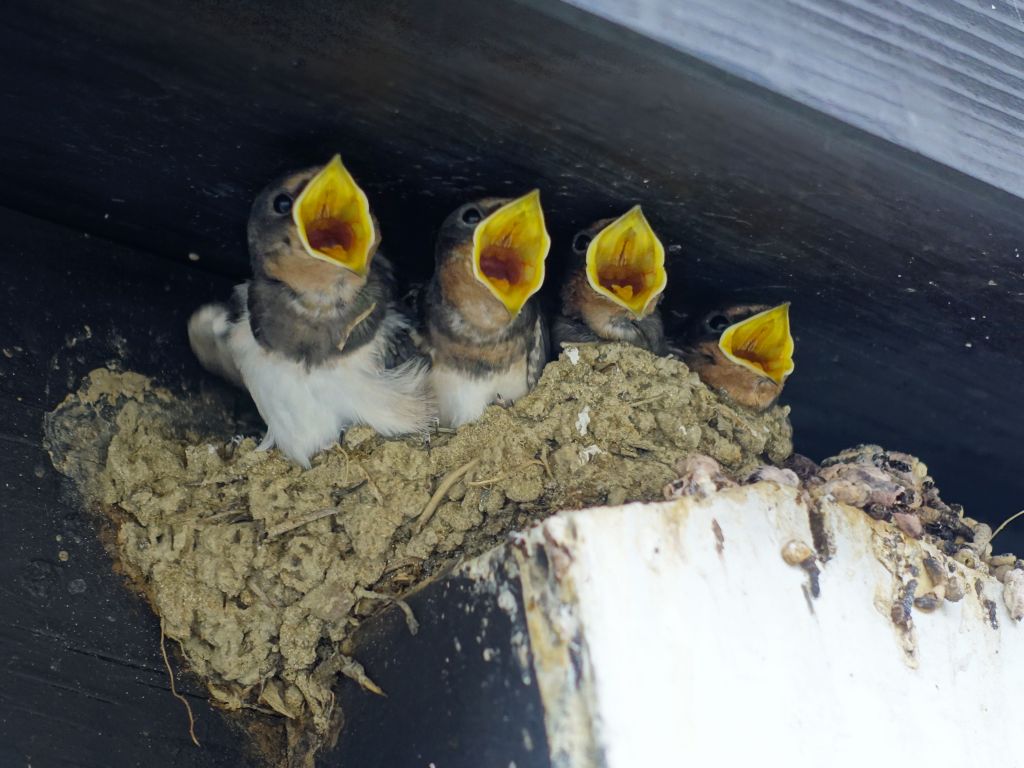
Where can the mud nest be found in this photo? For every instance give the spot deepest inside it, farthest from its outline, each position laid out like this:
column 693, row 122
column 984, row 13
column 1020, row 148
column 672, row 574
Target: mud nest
column 260, row 570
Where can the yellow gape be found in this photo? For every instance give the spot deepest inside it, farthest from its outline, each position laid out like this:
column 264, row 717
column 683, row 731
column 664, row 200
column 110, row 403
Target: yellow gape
column 762, row 343
column 626, row 263
column 333, row 218
column 509, row 248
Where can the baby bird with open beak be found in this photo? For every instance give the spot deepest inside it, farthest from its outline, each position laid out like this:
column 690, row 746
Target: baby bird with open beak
column 744, row 352
column 613, row 291
column 486, row 335
column 316, row 336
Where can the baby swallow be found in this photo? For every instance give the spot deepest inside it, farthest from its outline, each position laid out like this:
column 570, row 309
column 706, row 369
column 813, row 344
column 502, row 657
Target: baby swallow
column 316, row 336
column 486, row 335
column 612, row 293
column 744, row 352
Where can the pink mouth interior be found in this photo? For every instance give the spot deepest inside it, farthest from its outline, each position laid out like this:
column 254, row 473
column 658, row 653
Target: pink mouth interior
column 500, row 262
column 330, row 233
column 615, row 276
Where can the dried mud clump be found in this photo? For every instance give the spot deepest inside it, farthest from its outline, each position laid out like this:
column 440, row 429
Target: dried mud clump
column 896, row 487
column 260, row 570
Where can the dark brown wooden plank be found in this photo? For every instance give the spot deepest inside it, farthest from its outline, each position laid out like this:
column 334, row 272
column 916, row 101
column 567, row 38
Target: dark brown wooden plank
column 82, row 682
column 456, row 693
column 154, row 123
column 941, row 77
column 907, row 279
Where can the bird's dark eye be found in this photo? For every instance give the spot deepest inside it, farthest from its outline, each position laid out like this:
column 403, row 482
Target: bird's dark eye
column 471, row 216
column 283, row 203
column 718, row 323
column 581, row 242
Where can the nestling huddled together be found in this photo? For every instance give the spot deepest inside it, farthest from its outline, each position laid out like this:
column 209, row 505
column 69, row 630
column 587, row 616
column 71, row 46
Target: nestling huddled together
column 321, row 340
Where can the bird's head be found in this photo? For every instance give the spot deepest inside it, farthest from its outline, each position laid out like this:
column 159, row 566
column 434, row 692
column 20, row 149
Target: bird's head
column 313, row 227
column 497, row 244
column 744, row 351
column 624, row 262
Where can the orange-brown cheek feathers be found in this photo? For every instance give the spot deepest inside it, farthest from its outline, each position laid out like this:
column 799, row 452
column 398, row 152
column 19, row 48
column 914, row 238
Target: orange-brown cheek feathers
column 333, row 221
column 316, row 336
column 304, row 275
column 313, row 231
column 613, row 293
column 510, row 246
column 460, row 288
column 739, row 384
column 625, row 262
column 486, row 336
column 762, row 343
column 587, row 316
column 743, row 351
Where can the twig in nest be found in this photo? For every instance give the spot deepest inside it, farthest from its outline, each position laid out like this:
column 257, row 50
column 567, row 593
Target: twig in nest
column 291, row 525
column 435, row 501
column 348, row 462
column 410, row 617
column 488, row 481
column 405, row 562
column 353, row 670
column 377, row 495
column 647, row 400
column 1006, row 522
column 258, row 591
column 220, row 516
column 174, row 690
column 544, row 462
column 499, row 478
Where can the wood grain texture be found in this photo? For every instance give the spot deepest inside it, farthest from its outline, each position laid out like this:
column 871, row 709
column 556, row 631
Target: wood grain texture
column 153, row 124
column 457, row 695
column 944, row 78
column 82, row 682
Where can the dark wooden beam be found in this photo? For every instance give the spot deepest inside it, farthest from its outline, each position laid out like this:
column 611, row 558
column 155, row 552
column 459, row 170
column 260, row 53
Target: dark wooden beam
column 457, row 693
column 154, row 124
column 82, row 682
column 151, row 125
column 941, row 77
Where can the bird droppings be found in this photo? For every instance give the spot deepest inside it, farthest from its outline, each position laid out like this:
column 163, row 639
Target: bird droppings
column 583, row 421
column 716, row 529
column 993, row 618
column 699, row 476
column 928, row 602
column 796, row 552
column 903, row 505
column 896, row 490
column 896, row 487
column 1013, row 593
column 259, row 569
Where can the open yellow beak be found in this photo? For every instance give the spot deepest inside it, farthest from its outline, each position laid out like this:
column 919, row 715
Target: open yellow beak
column 509, row 248
column 762, row 343
column 333, row 218
column 626, row 263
